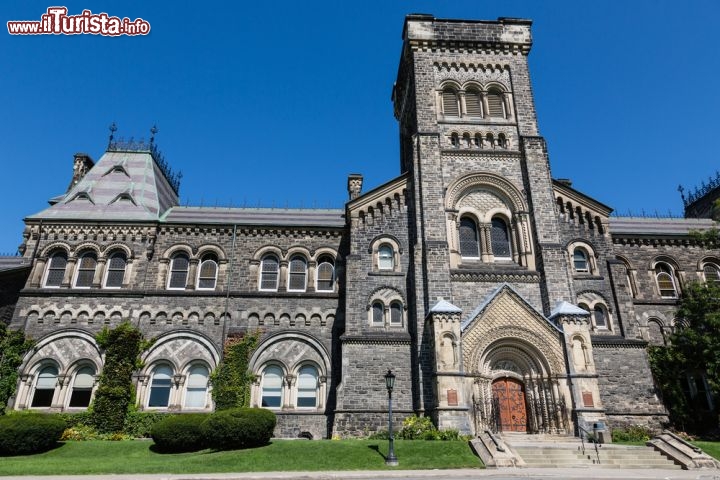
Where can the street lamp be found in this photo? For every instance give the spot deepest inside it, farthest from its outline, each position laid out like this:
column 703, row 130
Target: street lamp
column 391, row 459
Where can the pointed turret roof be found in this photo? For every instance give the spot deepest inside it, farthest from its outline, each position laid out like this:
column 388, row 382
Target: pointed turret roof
column 126, row 184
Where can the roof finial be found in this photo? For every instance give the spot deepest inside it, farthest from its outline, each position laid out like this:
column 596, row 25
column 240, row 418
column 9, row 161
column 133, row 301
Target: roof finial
column 153, row 131
column 113, row 129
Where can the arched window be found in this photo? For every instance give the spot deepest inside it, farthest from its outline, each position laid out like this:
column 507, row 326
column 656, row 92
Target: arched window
column 396, row 310
column 665, row 280
column 451, row 106
column 455, row 140
column 378, row 313
column 473, row 103
column 297, row 281
column 45, row 387
column 600, row 316
column 272, row 386
column 496, row 105
column 207, row 273
column 82, row 388
column 500, row 238
column 386, row 260
column 160, row 386
column 712, row 274
column 269, row 273
column 197, row 384
column 56, row 269
column 179, row 266
column 115, row 274
column 325, row 275
column 478, row 140
column 307, row 387
column 469, row 241
column 86, row 270
column 580, row 260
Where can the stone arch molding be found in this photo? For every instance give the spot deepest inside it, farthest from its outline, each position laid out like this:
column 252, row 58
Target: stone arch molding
column 496, row 184
column 64, row 348
column 289, row 350
column 482, row 196
column 180, row 348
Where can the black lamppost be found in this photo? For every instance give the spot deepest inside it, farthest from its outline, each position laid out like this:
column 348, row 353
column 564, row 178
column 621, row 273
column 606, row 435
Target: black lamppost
column 391, row 459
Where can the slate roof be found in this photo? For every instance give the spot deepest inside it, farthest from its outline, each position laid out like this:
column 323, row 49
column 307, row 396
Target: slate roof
column 8, row 263
column 122, row 186
column 333, row 218
column 657, row 226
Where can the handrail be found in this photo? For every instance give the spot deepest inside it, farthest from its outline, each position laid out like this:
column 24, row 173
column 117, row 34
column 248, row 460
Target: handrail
column 582, row 441
column 499, row 447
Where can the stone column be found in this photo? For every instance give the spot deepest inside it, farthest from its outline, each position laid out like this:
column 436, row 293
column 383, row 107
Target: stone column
column 191, row 282
column 69, row 271
column 38, row 272
column 99, row 273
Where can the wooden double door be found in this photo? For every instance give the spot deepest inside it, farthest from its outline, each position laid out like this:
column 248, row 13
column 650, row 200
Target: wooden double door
column 509, row 400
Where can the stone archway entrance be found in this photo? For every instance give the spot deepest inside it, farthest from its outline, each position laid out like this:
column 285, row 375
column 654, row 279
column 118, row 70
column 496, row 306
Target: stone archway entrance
column 509, row 402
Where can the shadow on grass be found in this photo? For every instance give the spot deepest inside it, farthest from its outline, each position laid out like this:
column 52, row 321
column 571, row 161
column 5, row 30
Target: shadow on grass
column 377, row 449
column 203, row 450
column 55, row 446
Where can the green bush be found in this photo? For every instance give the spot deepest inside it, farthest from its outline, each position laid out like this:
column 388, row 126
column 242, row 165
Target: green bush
column 31, row 433
column 417, row 428
column 80, row 433
column 179, row 433
column 238, row 428
column 73, row 420
column 113, row 399
column 634, row 433
column 140, row 424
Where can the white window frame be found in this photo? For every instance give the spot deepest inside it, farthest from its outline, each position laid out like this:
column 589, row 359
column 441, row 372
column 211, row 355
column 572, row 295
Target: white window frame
column 298, row 259
column 262, row 273
column 48, row 267
column 108, row 269
column 209, row 258
column 386, row 247
column 153, row 373
column 282, row 386
column 188, row 386
column 78, row 269
column 170, row 270
column 325, row 261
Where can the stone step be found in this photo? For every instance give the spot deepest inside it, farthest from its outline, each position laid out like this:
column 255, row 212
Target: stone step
column 559, row 452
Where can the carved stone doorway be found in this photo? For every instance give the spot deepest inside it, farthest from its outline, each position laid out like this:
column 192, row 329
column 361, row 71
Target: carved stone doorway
column 509, row 399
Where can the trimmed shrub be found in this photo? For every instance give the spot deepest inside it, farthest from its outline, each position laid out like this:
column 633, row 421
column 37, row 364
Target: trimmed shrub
column 80, row 419
column 179, row 433
column 633, row 433
column 30, row 433
column 140, row 424
column 238, row 428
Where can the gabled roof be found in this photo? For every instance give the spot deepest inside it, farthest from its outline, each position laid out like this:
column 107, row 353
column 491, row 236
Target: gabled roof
column 566, row 308
column 580, row 198
column 379, row 193
column 121, row 186
column 504, row 287
column 443, row 306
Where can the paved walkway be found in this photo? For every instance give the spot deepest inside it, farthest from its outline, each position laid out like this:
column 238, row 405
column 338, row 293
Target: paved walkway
column 459, row 474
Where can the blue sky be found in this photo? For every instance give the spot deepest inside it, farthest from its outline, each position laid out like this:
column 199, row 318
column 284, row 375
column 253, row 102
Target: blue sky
column 274, row 103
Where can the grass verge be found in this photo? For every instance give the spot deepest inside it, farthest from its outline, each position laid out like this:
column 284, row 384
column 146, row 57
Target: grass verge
column 127, row 457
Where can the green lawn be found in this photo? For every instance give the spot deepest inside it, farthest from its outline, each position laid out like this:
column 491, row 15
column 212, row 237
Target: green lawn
column 98, row 457
column 711, row 448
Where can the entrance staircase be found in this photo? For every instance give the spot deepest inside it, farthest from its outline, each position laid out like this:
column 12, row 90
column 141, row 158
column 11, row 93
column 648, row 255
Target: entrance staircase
column 564, row 451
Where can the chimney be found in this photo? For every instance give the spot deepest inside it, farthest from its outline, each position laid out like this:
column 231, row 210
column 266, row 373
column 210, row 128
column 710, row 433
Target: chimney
column 82, row 163
column 354, row 185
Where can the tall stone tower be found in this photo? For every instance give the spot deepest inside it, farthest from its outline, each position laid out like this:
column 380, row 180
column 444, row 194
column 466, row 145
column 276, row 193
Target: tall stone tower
column 483, row 229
